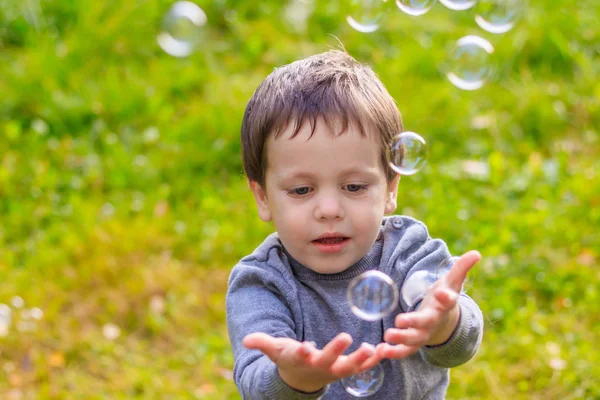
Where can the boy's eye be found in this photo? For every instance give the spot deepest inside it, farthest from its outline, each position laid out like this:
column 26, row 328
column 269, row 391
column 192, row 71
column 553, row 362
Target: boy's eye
column 300, row 191
column 355, row 188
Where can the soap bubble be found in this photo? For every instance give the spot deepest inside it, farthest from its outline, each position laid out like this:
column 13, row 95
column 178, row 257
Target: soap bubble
column 469, row 66
column 444, row 267
column 17, row 302
column 416, row 285
column 415, row 7
column 365, row 15
column 372, row 295
column 407, row 153
column 181, row 29
column 498, row 16
column 5, row 319
column 18, row 316
column 366, row 383
column 458, row 5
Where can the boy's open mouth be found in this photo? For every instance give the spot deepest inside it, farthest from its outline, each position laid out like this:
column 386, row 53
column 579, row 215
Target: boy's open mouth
column 330, row 240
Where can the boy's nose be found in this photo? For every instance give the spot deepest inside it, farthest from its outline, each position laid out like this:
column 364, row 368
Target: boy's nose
column 329, row 207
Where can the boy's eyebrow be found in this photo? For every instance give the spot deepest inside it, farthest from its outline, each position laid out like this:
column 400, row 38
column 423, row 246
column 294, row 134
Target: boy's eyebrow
column 371, row 171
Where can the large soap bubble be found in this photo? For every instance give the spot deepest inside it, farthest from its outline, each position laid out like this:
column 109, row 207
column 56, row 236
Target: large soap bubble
column 181, row 29
column 469, row 65
column 415, row 7
column 366, row 383
column 372, row 295
column 458, row 5
column 365, row 15
column 498, row 16
column 407, row 153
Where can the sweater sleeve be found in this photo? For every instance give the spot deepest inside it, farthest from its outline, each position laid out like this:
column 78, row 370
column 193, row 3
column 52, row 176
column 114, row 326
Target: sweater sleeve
column 255, row 304
column 464, row 341
column 421, row 253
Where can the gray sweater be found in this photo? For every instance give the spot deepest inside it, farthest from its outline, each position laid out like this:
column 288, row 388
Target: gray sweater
column 272, row 293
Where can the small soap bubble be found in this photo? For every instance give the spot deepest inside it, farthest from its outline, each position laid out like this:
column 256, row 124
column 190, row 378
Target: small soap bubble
column 298, row 12
column 365, row 15
column 372, row 295
column 415, row 7
column 180, row 227
column 107, row 210
column 36, row 313
column 444, row 267
column 4, row 328
column 366, row 383
column 408, row 153
column 5, row 319
column 17, row 302
column 469, row 63
column 498, row 16
column 5, row 311
column 458, row 5
column 111, row 331
column 181, row 29
column 416, row 285
column 26, row 325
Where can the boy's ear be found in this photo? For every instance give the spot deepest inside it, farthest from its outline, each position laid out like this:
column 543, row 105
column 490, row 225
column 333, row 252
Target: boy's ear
column 260, row 197
column 392, row 194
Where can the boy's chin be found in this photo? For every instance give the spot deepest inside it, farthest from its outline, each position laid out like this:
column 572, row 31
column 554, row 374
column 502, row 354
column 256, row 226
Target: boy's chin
column 328, row 268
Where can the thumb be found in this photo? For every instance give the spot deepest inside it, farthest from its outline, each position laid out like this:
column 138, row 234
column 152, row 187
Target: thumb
column 256, row 340
column 458, row 273
column 268, row 345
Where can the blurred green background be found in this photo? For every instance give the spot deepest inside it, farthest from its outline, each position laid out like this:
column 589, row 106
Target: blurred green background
column 123, row 206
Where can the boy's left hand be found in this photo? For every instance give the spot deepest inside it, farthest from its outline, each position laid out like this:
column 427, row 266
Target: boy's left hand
column 436, row 318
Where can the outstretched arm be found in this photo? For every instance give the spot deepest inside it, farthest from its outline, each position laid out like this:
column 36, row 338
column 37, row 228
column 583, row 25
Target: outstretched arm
column 271, row 362
column 437, row 318
column 305, row 368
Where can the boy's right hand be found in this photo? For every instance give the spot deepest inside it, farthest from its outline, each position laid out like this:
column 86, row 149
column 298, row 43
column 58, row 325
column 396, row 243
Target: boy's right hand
column 305, row 368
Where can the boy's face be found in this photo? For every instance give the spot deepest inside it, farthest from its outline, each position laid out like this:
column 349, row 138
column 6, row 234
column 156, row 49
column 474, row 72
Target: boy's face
column 327, row 186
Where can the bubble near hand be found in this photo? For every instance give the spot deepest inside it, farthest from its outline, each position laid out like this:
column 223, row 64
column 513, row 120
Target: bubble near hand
column 469, row 64
column 444, row 268
column 372, row 295
column 181, row 29
column 365, row 15
column 408, row 153
column 498, row 16
column 458, row 5
column 414, row 7
column 366, row 383
column 415, row 286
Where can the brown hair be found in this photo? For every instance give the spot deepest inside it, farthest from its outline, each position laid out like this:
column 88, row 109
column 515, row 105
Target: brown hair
column 331, row 85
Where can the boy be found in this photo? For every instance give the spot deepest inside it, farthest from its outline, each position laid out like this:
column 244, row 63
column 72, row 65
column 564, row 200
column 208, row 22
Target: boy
column 314, row 139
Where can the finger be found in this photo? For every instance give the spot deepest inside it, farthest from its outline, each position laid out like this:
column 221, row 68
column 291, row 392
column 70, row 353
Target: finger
column 410, row 337
column 263, row 342
column 333, row 350
column 362, row 354
column 305, row 350
column 351, row 364
column 257, row 340
column 422, row 319
column 458, row 273
column 446, row 298
column 270, row 346
column 396, row 352
column 370, row 362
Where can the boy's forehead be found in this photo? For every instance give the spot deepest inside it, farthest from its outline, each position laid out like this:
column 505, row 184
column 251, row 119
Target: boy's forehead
column 321, row 149
column 321, row 127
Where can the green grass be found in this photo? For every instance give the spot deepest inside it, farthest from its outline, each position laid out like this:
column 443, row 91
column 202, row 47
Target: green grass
column 122, row 200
